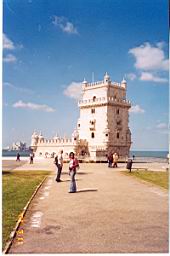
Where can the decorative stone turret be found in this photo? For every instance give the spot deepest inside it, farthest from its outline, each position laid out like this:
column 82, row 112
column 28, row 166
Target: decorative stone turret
column 56, row 137
column 75, row 135
column 124, row 83
column 84, row 84
column 34, row 139
column 107, row 79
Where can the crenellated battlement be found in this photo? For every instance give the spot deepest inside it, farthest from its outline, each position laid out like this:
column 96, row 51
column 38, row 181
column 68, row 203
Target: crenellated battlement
column 94, row 83
column 102, row 83
column 58, row 142
column 103, row 100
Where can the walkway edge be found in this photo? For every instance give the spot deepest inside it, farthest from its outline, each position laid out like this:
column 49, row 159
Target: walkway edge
column 21, row 216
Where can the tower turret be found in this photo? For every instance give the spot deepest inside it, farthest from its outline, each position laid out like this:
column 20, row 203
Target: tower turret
column 41, row 137
column 34, row 139
column 107, row 78
column 124, row 83
column 56, row 137
column 84, row 84
column 75, row 135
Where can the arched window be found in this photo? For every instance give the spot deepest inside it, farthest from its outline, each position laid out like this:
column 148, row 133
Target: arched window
column 117, row 111
column 117, row 135
column 92, row 135
column 93, row 110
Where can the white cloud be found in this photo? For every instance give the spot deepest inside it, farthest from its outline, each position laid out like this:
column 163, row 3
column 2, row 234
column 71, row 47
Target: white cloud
column 162, row 126
column 32, row 106
column 136, row 109
column 147, row 76
column 131, row 76
column 7, row 43
column 73, row 90
column 65, row 25
column 149, row 57
column 9, row 58
column 19, row 89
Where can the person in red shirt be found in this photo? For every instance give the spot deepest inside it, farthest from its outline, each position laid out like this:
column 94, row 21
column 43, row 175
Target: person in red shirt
column 73, row 164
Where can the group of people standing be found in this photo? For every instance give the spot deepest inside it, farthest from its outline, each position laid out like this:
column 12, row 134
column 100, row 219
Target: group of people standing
column 113, row 160
column 31, row 157
column 73, row 165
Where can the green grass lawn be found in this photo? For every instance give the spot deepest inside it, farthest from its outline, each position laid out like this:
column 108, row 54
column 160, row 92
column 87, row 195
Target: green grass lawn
column 157, row 178
column 17, row 188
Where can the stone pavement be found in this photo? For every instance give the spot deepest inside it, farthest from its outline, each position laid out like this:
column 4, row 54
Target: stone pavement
column 111, row 212
column 10, row 163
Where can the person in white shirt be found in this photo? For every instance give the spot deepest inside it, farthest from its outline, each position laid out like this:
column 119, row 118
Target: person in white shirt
column 59, row 164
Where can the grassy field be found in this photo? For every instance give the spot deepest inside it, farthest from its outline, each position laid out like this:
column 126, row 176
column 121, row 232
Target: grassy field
column 17, row 188
column 157, row 178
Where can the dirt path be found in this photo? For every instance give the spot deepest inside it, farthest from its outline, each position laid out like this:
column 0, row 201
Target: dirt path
column 110, row 213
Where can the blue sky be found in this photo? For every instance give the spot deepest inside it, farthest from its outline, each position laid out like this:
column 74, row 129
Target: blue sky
column 50, row 46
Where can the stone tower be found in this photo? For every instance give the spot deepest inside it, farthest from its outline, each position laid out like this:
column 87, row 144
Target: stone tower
column 104, row 118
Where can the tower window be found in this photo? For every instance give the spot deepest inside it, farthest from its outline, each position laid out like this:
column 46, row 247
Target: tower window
column 78, row 125
column 93, row 110
column 92, row 135
column 117, row 135
column 117, row 111
column 106, row 135
column 94, row 98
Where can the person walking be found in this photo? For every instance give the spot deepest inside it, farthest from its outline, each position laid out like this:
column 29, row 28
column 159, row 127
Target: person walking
column 59, row 164
column 31, row 157
column 129, row 164
column 18, row 157
column 110, row 160
column 73, row 164
column 115, row 160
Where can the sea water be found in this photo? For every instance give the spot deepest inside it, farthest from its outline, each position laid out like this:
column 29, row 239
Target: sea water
column 156, row 154
column 14, row 153
column 150, row 156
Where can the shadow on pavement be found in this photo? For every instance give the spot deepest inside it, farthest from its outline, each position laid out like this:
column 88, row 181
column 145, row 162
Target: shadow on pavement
column 87, row 190
column 68, row 180
column 78, row 173
column 83, row 173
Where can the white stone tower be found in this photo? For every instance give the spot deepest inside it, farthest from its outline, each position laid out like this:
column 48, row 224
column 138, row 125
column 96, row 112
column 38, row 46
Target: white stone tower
column 104, row 118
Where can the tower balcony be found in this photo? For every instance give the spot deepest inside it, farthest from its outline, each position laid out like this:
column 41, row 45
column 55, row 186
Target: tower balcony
column 103, row 101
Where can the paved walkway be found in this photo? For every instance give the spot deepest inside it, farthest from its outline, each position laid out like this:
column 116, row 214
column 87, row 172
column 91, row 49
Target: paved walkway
column 47, row 164
column 111, row 212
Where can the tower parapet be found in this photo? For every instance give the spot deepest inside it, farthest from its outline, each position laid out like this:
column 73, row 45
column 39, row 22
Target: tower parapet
column 105, row 82
column 104, row 101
